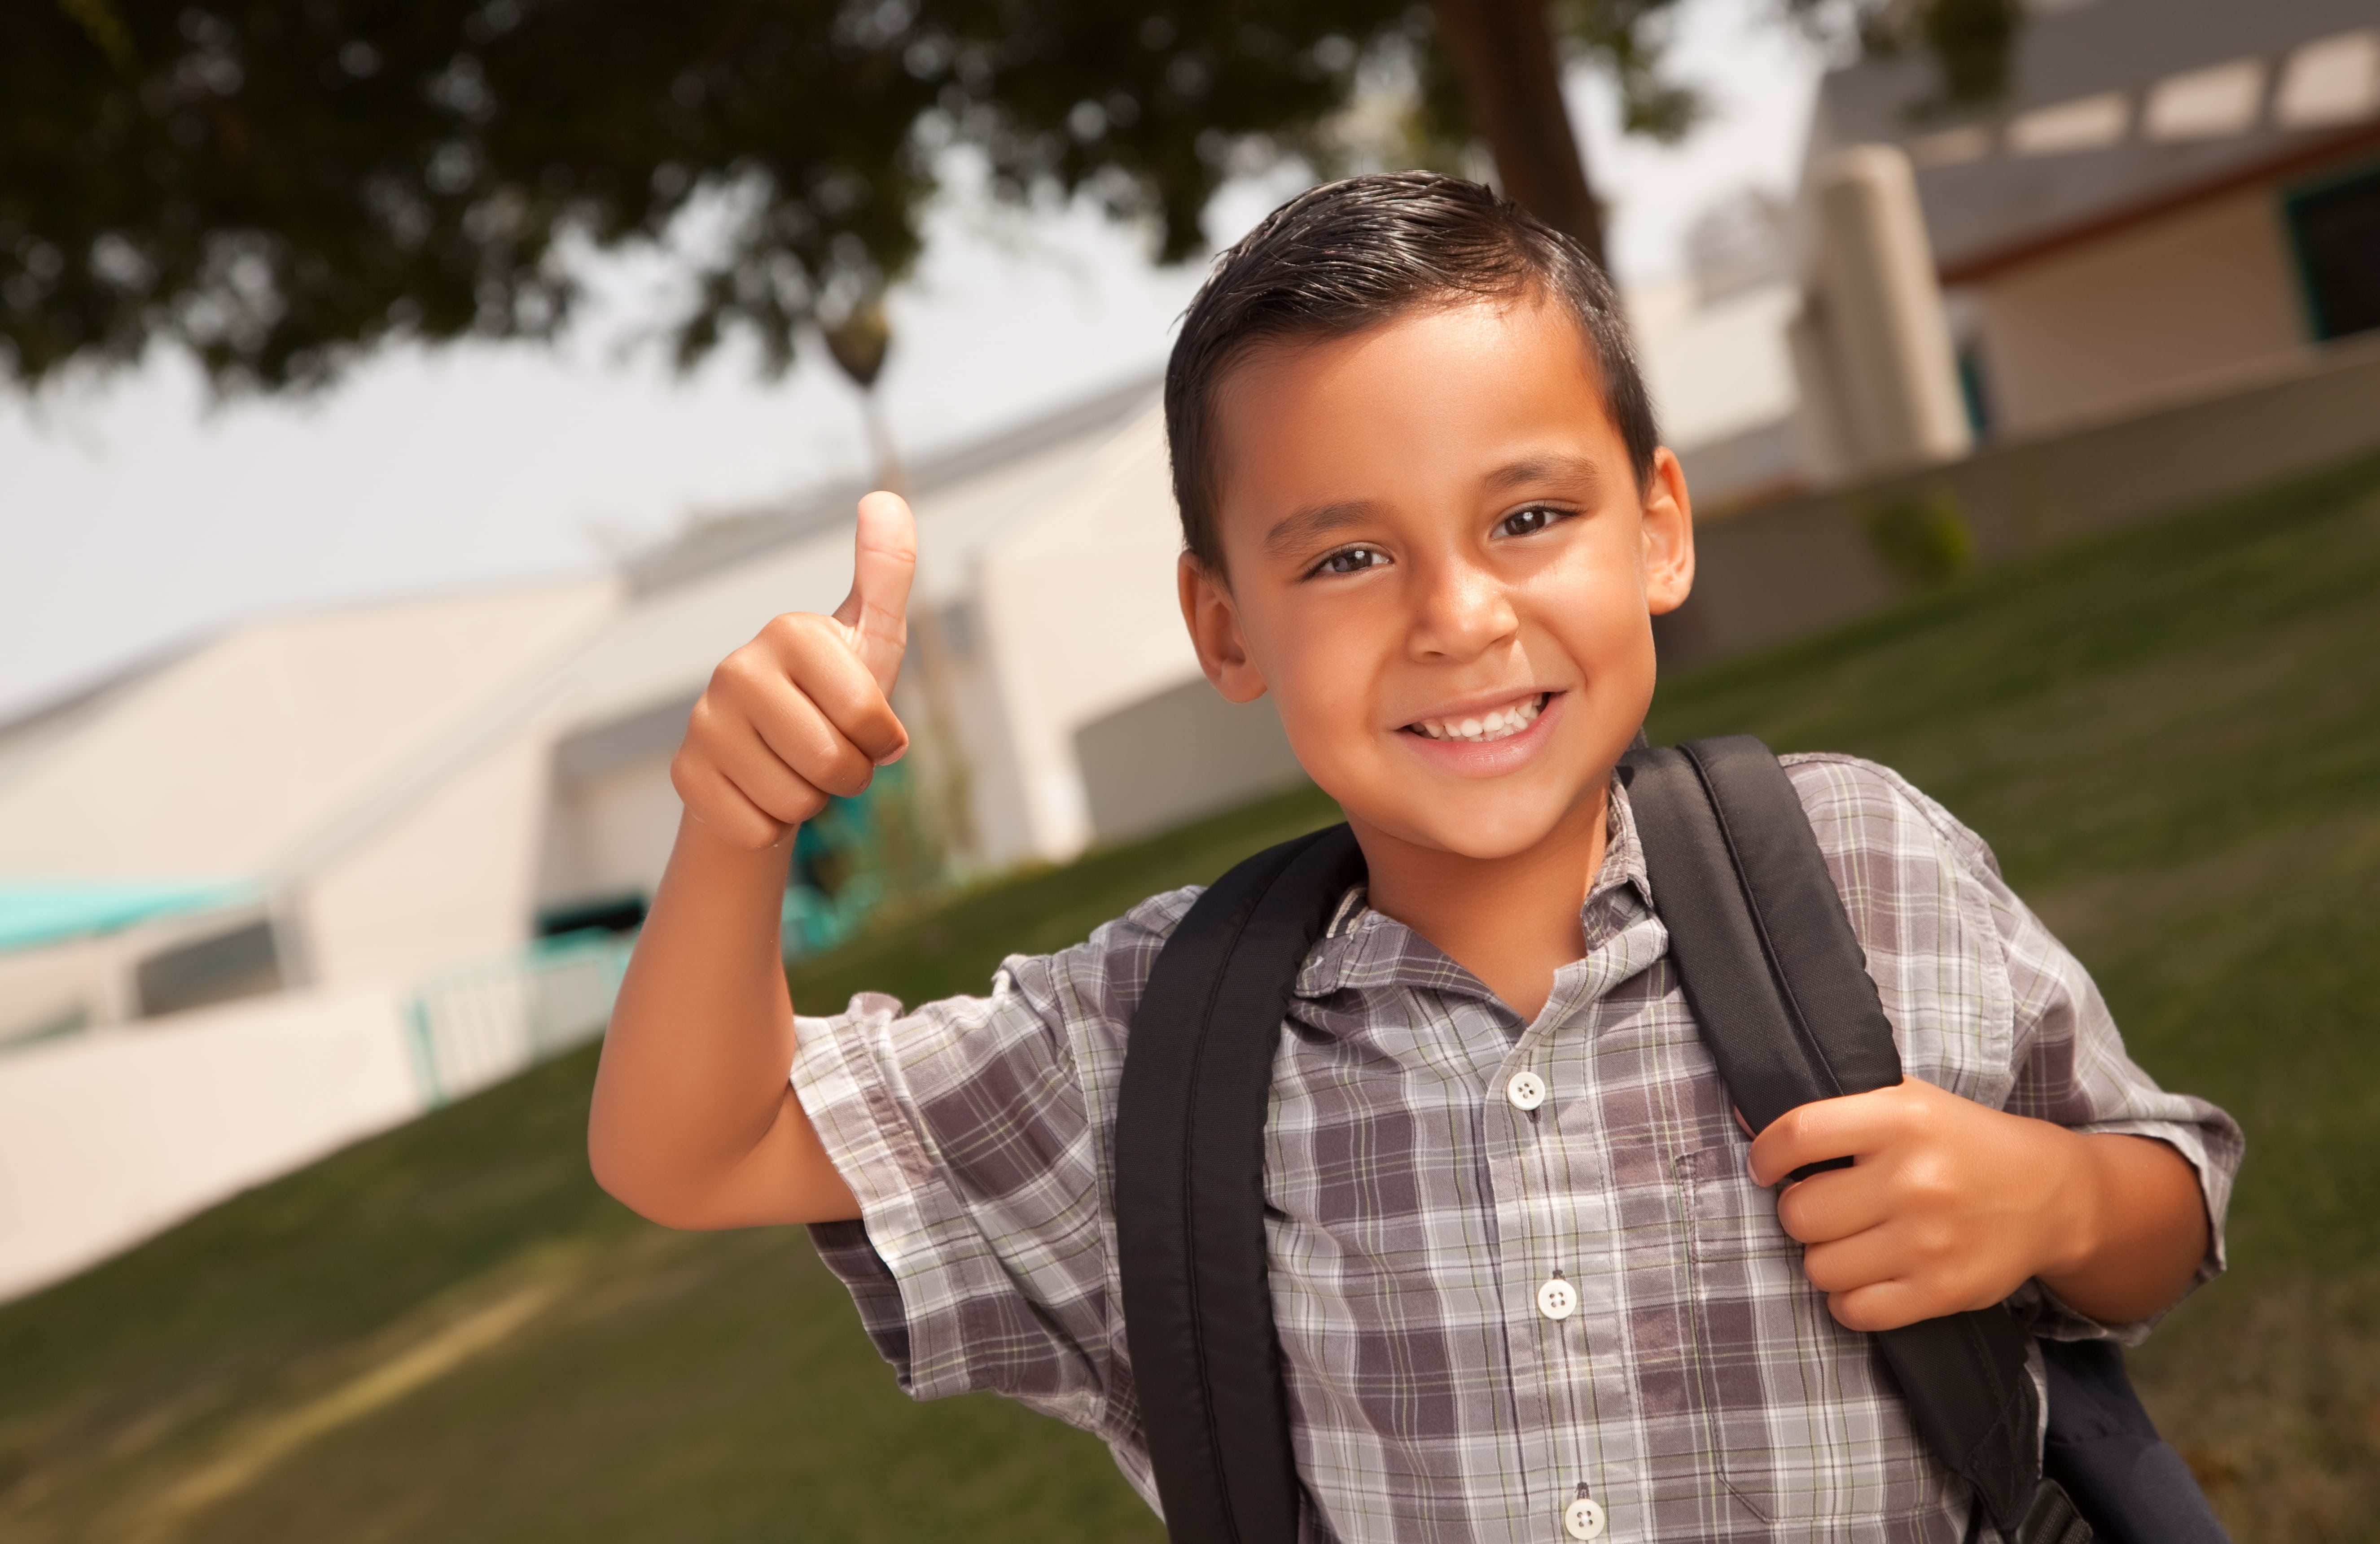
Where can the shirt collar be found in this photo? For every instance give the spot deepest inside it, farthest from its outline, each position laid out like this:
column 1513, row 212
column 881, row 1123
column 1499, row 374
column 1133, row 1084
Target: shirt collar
column 1366, row 949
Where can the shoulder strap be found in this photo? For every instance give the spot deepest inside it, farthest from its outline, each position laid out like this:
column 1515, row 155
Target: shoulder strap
column 1189, row 1178
column 1779, row 987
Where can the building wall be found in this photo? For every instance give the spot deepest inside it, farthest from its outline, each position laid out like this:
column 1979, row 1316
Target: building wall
column 618, row 830
column 108, row 1137
column 1077, row 605
column 612, row 814
column 1716, row 369
column 1800, row 566
column 452, row 877
column 2181, row 307
column 1181, row 754
column 207, row 769
column 990, row 785
column 93, row 979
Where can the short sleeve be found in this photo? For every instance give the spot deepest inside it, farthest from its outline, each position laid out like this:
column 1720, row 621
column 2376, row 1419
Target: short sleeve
column 2072, row 1067
column 2065, row 1059
column 976, row 1133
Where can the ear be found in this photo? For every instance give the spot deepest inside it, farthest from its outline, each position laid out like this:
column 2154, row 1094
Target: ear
column 1669, row 535
column 1214, row 622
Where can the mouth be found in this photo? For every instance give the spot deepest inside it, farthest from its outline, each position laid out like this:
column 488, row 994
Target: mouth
column 1501, row 722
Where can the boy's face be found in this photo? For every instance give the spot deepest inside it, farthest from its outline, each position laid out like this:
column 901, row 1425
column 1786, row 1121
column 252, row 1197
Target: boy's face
column 1440, row 566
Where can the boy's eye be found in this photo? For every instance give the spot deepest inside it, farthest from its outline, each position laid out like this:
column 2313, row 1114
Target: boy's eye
column 1527, row 522
column 1351, row 559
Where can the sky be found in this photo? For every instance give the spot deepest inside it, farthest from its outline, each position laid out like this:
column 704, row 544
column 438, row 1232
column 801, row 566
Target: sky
column 135, row 513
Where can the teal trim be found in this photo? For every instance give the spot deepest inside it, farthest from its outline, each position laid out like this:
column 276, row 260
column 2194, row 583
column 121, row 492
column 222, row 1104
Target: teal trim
column 811, row 922
column 34, row 912
column 425, row 1055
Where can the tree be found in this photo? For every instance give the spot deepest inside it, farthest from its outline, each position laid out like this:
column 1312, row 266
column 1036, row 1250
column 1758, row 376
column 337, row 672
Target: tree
column 281, row 186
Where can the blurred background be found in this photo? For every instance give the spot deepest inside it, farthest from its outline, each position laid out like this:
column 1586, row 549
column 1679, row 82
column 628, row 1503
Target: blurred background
column 404, row 406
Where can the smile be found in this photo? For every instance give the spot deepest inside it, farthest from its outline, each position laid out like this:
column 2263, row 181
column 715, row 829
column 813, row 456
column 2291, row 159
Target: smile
column 1479, row 729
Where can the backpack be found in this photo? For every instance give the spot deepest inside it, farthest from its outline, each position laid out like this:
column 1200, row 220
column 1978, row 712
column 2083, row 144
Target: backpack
column 1779, row 989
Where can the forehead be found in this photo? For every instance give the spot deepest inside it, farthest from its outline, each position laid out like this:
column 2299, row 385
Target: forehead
column 1435, row 398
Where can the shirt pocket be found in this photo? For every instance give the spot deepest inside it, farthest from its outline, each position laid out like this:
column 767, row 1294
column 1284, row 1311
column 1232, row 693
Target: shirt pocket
column 1802, row 1419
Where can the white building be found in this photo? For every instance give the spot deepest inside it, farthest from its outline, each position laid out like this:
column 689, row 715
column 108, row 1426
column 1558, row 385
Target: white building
column 188, row 831
column 1046, row 568
column 368, row 794
column 281, row 887
column 2176, row 200
column 1713, row 344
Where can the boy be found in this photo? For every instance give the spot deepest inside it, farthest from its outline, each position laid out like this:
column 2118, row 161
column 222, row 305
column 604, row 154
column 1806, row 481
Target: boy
column 1425, row 508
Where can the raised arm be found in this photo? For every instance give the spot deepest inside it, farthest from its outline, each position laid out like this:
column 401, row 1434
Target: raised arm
column 695, row 1123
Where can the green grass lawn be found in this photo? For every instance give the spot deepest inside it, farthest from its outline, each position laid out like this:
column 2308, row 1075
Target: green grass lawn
column 2171, row 736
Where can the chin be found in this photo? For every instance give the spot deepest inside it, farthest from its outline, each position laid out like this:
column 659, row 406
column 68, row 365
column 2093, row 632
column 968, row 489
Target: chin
column 1484, row 836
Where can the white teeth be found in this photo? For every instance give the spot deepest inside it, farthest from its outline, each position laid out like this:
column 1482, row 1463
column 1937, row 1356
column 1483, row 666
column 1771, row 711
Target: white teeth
column 1500, row 724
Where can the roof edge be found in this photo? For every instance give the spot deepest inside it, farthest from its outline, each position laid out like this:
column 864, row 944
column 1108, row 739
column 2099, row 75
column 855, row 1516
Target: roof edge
column 2304, row 159
column 705, row 550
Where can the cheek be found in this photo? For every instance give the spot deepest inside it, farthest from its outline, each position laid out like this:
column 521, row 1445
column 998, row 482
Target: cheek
column 1324, row 672
column 1594, row 604
column 1321, row 670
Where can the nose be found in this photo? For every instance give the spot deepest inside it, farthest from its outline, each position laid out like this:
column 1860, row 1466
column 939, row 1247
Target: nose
column 1461, row 609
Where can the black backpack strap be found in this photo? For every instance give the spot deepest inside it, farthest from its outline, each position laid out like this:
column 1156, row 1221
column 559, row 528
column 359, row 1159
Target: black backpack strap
column 1779, row 987
column 1189, row 1178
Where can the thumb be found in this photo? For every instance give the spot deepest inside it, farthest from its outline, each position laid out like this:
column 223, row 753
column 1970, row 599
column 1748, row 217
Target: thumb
column 884, row 558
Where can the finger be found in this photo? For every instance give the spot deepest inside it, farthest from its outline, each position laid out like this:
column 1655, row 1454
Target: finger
column 1846, row 1127
column 1848, row 1264
column 760, row 774
column 793, row 733
column 883, row 561
column 812, row 662
column 720, row 805
column 1834, row 1204
column 1884, row 1306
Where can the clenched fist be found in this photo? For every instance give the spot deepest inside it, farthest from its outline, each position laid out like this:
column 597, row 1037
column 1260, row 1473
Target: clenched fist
column 1951, row 1205
column 804, row 710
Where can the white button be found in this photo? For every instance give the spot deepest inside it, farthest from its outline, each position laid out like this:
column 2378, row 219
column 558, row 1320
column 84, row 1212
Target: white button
column 1526, row 1091
column 1557, row 1299
column 1582, row 1519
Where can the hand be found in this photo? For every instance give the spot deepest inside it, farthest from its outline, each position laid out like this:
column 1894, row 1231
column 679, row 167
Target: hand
column 1949, row 1205
column 804, row 710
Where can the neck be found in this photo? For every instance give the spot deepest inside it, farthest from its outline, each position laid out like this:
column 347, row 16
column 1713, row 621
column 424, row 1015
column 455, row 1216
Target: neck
column 1512, row 922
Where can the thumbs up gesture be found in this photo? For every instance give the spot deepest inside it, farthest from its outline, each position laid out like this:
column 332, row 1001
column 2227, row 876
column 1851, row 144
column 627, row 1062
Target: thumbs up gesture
column 804, row 710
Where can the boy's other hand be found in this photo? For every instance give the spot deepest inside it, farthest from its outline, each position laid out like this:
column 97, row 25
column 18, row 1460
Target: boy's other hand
column 1951, row 1205
column 804, row 710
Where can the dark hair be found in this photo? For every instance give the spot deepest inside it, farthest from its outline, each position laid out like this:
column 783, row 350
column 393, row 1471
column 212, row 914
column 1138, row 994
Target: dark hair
column 1349, row 255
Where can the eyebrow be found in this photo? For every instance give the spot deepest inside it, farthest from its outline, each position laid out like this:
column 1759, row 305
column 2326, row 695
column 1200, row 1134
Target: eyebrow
column 1296, row 529
column 1546, row 468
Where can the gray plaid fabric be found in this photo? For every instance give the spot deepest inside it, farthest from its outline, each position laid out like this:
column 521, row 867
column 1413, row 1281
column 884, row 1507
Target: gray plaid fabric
column 1699, row 1390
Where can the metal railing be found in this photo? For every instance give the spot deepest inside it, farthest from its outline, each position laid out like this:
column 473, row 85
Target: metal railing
column 477, row 1024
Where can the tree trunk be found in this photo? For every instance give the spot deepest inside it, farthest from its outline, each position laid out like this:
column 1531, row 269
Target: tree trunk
column 1502, row 51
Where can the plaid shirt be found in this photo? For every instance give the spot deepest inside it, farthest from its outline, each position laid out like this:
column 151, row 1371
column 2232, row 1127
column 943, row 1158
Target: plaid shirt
column 1698, row 1390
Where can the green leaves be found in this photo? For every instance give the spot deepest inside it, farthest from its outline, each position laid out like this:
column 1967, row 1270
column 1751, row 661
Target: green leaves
column 1923, row 537
column 282, row 185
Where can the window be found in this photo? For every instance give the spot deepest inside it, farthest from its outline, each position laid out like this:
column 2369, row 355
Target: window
column 2336, row 228
column 620, row 914
column 244, row 962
